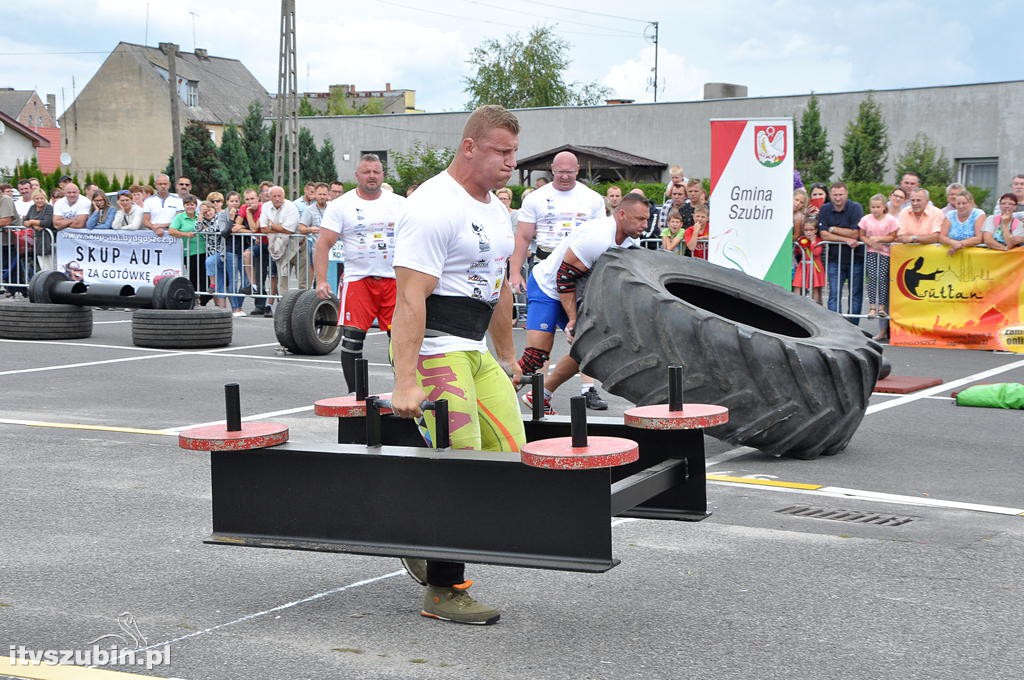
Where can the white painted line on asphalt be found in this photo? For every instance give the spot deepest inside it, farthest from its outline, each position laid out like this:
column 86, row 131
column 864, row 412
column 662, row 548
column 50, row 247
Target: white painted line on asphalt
column 281, row 607
column 945, row 387
column 100, row 323
column 255, row 416
column 728, row 455
column 91, row 363
column 898, row 499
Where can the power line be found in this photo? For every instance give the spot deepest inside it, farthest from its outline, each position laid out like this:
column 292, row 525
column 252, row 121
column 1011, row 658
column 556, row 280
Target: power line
column 503, row 24
column 47, row 54
column 596, row 14
column 559, row 20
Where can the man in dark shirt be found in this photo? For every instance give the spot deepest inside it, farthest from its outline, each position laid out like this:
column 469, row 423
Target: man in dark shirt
column 838, row 223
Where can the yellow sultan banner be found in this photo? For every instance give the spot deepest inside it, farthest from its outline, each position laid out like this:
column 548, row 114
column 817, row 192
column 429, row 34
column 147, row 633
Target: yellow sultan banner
column 972, row 299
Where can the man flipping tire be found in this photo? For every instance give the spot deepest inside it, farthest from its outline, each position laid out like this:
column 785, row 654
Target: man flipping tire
column 455, row 232
column 555, row 285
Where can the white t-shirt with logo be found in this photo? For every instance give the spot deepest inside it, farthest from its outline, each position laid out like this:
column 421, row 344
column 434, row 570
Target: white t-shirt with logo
column 68, row 211
column 367, row 230
column 23, row 206
column 558, row 213
column 448, row 234
column 588, row 242
column 162, row 210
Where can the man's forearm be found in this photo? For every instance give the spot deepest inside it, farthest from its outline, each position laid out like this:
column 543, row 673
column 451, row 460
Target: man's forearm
column 407, row 337
column 500, row 327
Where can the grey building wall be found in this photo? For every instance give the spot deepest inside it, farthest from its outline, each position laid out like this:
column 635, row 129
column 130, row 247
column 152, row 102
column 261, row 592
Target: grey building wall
column 965, row 121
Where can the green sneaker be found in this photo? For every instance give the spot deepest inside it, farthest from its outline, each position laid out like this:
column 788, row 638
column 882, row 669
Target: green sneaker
column 416, row 568
column 455, row 604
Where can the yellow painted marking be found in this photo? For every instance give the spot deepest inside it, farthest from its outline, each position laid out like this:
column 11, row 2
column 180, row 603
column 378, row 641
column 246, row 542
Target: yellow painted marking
column 102, row 428
column 763, row 482
column 48, row 672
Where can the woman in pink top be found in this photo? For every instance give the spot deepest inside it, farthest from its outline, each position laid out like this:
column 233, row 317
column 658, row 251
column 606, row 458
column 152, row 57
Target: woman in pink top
column 1003, row 231
column 877, row 230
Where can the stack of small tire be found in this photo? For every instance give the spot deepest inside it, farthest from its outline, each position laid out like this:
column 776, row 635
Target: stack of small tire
column 182, row 328
column 21, row 320
column 304, row 323
column 796, row 377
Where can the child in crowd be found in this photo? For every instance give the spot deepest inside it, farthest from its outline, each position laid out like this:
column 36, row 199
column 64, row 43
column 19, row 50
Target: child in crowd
column 877, row 230
column 673, row 235
column 696, row 237
column 810, row 271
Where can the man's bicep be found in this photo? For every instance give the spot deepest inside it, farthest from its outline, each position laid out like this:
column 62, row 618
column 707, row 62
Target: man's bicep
column 414, row 284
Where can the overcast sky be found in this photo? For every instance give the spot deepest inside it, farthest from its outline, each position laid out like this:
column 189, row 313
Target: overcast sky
column 781, row 47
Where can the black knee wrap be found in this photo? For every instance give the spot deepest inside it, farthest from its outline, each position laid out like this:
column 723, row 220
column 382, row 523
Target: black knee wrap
column 533, row 359
column 351, row 349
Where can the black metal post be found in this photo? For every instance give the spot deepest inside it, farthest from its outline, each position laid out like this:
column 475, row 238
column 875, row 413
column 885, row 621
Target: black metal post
column 373, row 437
column 578, row 420
column 675, row 388
column 362, row 379
column 233, row 406
column 537, row 389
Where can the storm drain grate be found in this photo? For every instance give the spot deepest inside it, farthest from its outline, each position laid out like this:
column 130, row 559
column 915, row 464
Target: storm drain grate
column 845, row 515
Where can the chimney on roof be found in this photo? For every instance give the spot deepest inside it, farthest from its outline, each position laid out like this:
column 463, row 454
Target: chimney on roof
column 724, row 91
column 202, row 54
column 387, row 87
column 51, row 105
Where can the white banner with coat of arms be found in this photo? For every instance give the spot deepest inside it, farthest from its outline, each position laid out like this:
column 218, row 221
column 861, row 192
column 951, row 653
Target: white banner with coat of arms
column 752, row 197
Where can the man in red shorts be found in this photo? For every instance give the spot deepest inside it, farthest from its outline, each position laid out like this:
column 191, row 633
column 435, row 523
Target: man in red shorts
column 365, row 221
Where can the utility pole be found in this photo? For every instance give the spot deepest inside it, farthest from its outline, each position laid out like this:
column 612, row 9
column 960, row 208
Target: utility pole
column 653, row 37
column 286, row 142
column 171, row 50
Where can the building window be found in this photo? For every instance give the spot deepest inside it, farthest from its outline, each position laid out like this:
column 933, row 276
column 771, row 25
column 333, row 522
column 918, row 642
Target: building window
column 983, row 173
column 30, row 123
column 192, row 93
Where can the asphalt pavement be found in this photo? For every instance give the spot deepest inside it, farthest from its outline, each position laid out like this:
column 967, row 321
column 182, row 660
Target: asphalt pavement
column 104, row 516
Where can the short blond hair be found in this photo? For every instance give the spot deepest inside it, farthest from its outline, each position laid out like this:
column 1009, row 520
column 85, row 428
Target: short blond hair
column 488, row 117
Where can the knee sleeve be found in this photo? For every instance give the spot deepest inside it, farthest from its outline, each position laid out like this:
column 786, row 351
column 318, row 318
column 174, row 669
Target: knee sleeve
column 533, row 359
column 352, row 340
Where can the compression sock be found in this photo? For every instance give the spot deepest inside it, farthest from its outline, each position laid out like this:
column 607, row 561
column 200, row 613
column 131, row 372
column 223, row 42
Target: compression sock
column 351, row 349
column 532, row 359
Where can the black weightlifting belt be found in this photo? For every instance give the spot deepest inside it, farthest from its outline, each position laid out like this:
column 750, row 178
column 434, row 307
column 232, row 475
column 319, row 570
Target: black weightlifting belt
column 456, row 315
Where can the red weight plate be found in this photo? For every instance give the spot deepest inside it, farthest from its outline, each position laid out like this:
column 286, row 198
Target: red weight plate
column 559, row 453
column 218, row 438
column 692, row 417
column 345, row 407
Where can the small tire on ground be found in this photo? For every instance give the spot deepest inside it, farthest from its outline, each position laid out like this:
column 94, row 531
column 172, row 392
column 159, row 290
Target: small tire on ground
column 283, row 320
column 796, row 377
column 315, row 324
column 22, row 320
column 182, row 328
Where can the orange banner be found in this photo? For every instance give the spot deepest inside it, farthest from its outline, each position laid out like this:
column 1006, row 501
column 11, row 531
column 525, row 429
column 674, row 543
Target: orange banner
column 972, row 299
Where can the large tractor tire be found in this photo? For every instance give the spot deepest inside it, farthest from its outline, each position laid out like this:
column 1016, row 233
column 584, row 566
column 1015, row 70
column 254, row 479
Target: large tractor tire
column 795, row 377
column 283, row 320
column 21, row 320
column 182, row 328
column 315, row 326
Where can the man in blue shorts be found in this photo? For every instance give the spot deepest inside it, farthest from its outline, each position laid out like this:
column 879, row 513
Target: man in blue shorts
column 554, row 288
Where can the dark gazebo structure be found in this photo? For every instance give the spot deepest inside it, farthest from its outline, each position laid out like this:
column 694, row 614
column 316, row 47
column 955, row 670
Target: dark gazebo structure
column 597, row 164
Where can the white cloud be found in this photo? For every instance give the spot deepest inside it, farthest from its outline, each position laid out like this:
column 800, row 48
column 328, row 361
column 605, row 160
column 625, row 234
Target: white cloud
column 677, row 78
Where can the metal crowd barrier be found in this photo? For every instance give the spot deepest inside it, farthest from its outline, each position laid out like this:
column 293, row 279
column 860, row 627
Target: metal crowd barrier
column 249, row 269
column 23, row 252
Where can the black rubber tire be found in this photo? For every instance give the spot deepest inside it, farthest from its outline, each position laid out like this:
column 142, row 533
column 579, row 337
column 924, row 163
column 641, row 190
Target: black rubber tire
column 315, row 324
column 20, row 320
column 40, row 284
column 182, row 328
column 283, row 320
column 796, row 377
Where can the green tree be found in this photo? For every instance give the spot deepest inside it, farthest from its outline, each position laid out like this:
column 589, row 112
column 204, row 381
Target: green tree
column 418, row 165
column 309, row 158
column 200, row 160
column 259, row 144
column 235, row 159
column 922, row 156
column 813, row 158
column 517, row 73
column 328, row 172
column 866, row 144
column 307, row 109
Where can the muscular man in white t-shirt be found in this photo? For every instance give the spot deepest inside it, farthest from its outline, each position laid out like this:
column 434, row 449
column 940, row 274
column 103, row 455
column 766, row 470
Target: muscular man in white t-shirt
column 452, row 246
column 365, row 221
column 553, row 286
column 549, row 215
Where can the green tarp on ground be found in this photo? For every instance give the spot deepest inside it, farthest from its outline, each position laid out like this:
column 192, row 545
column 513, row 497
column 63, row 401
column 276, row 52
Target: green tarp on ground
column 998, row 395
